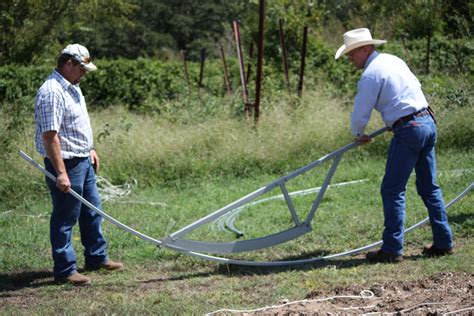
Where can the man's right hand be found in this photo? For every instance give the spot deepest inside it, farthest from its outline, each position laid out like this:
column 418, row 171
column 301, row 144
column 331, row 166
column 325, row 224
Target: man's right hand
column 53, row 149
column 364, row 139
column 63, row 183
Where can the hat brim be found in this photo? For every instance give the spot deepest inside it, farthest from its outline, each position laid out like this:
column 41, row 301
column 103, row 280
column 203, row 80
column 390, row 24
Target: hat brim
column 345, row 49
column 89, row 67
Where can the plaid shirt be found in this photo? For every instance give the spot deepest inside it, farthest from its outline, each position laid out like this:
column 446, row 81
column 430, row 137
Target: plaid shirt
column 60, row 107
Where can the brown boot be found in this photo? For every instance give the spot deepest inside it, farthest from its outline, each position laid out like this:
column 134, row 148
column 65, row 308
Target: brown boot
column 433, row 251
column 75, row 279
column 383, row 256
column 108, row 265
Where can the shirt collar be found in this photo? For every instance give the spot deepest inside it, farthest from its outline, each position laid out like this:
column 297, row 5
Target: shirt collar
column 62, row 81
column 371, row 57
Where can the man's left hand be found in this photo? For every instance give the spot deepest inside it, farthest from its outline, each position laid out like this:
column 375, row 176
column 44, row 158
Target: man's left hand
column 95, row 160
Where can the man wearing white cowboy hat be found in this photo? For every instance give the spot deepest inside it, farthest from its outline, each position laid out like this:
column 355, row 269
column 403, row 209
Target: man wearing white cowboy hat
column 63, row 136
column 388, row 86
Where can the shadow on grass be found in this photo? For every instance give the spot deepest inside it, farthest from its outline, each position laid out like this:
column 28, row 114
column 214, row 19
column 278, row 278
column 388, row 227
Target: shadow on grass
column 464, row 219
column 343, row 263
column 241, row 270
column 20, row 280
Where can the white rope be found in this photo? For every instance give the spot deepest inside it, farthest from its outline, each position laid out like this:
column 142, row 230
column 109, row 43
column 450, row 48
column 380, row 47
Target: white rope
column 365, row 294
column 459, row 310
column 420, row 305
column 227, row 221
column 111, row 193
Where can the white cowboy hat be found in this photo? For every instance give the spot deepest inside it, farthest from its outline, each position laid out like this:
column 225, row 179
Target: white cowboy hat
column 81, row 55
column 357, row 38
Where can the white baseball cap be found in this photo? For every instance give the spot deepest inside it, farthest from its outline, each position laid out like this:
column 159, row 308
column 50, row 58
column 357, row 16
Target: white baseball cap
column 357, row 38
column 80, row 54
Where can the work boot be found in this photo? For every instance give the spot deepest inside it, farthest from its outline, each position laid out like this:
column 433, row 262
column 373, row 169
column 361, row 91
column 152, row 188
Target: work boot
column 108, row 265
column 432, row 251
column 75, row 279
column 383, row 256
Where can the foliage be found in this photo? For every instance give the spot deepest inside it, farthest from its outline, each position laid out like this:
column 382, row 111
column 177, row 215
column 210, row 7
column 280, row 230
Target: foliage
column 27, row 27
column 145, row 28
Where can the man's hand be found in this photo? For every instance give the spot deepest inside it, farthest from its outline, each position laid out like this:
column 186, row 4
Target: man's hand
column 53, row 150
column 364, row 139
column 95, row 160
column 63, row 183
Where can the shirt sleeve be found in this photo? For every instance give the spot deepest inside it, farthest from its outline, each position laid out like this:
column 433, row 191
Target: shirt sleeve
column 364, row 103
column 50, row 111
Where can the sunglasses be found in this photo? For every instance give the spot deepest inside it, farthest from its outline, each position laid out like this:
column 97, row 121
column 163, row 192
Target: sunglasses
column 76, row 61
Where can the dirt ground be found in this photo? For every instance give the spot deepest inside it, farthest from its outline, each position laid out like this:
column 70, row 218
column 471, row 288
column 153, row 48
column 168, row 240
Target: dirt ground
column 444, row 293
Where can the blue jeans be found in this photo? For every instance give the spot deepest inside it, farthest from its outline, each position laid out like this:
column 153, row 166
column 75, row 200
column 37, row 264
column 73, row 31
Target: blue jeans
column 412, row 146
column 67, row 211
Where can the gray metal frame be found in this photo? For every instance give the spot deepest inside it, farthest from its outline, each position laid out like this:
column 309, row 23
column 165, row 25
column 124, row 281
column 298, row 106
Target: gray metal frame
column 194, row 248
column 300, row 228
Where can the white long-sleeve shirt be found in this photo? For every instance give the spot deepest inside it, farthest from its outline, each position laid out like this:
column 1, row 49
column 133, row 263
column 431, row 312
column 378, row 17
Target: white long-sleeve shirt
column 388, row 85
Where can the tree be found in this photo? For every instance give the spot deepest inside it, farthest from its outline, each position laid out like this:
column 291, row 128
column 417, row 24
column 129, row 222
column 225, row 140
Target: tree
column 422, row 19
column 27, row 27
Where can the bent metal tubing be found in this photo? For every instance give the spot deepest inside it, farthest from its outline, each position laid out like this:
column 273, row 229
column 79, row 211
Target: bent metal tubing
column 299, row 228
column 227, row 260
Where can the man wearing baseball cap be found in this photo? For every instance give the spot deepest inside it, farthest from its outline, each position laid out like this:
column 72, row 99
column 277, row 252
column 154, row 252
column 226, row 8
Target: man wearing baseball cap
column 63, row 136
column 388, row 86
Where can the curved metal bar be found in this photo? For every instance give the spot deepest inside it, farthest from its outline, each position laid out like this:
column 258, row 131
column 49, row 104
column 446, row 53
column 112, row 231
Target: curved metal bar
column 337, row 154
column 242, row 245
column 89, row 205
column 313, row 260
column 226, row 260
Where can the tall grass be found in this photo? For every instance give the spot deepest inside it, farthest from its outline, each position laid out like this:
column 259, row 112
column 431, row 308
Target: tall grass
column 201, row 156
column 287, row 135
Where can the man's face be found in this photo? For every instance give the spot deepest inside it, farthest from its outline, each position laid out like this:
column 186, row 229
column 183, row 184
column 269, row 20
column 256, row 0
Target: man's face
column 77, row 72
column 73, row 72
column 358, row 56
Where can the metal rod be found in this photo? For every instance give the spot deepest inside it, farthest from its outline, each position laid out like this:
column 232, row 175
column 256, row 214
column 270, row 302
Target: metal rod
column 201, row 71
column 226, row 76
column 325, row 185
column 249, row 65
column 240, row 57
column 234, row 261
column 258, row 80
column 308, row 260
column 88, row 204
column 244, row 200
column 303, row 58
column 289, row 202
column 284, row 59
column 183, row 58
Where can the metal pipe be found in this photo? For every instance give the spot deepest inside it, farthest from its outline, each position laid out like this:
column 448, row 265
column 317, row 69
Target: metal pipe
column 267, row 188
column 258, row 80
column 245, row 91
column 234, row 261
column 226, row 76
column 303, row 57
column 88, row 204
column 249, row 65
column 183, row 58
column 201, row 71
column 284, row 59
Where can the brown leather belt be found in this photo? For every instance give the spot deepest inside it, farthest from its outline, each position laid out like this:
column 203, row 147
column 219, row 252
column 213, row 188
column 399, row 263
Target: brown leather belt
column 410, row 117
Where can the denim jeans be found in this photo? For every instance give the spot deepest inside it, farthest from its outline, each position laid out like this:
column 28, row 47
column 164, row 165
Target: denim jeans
column 67, row 211
column 412, row 147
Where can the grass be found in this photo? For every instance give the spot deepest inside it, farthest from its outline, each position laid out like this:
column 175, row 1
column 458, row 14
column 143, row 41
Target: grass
column 194, row 169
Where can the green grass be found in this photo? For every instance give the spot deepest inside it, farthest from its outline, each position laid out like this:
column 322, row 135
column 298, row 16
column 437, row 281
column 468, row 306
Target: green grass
column 160, row 281
column 195, row 169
